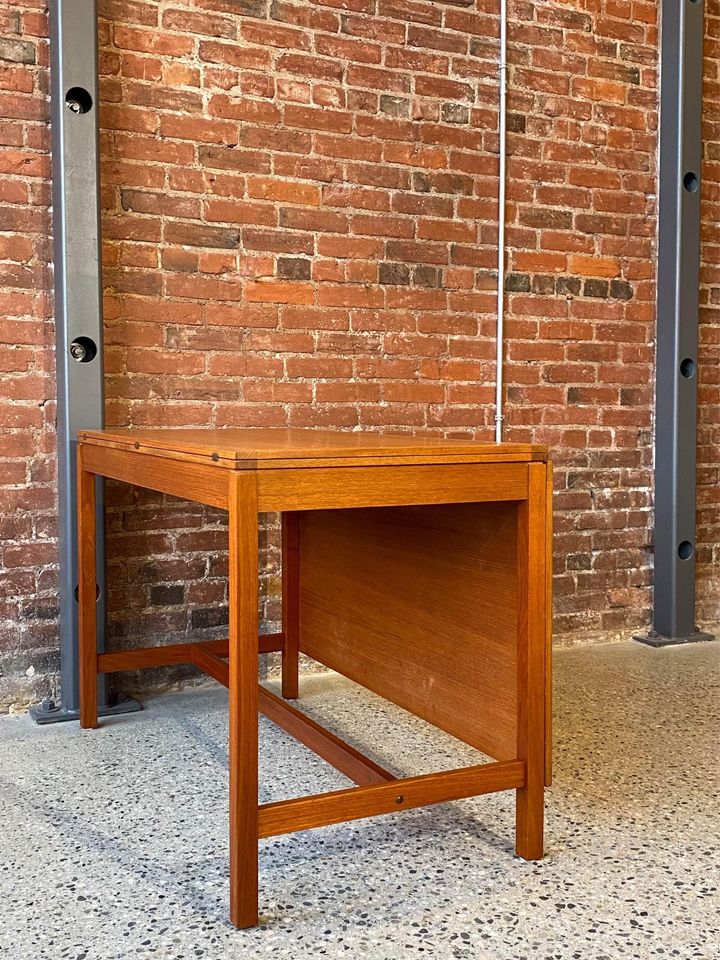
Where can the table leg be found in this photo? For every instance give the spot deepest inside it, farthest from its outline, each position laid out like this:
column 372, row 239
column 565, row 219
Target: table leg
column 290, row 603
column 87, row 595
column 532, row 634
column 243, row 698
column 549, row 634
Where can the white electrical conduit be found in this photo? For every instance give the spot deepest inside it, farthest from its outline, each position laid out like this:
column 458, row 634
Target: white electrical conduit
column 502, row 157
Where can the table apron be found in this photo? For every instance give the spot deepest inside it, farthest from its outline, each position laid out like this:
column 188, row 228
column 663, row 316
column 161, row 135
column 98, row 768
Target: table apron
column 317, row 488
column 196, row 482
column 337, row 488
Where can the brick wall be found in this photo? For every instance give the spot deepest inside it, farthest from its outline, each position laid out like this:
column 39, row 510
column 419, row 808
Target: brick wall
column 28, row 507
column 299, row 218
column 708, row 557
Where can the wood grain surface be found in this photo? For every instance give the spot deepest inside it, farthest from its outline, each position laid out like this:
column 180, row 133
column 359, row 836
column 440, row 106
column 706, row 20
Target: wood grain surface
column 288, row 816
column 232, row 447
column 335, row 488
column 196, row 482
column 243, row 698
column 420, row 605
column 532, row 555
column 161, row 656
column 290, row 604
column 87, row 594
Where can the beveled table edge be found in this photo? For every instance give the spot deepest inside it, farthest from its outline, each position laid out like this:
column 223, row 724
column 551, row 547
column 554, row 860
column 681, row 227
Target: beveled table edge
column 487, row 452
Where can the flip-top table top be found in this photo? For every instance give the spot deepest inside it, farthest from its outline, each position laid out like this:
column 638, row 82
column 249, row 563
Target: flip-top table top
column 266, row 448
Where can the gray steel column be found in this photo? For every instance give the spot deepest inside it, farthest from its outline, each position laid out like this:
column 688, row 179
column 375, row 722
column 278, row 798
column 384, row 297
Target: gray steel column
column 677, row 323
column 78, row 308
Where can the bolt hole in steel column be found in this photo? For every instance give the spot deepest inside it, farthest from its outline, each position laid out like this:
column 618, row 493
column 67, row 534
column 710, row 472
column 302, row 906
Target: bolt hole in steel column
column 691, row 182
column 685, row 550
column 78, row 100
column 83, row 349
column 687, row 368
column 97, row 593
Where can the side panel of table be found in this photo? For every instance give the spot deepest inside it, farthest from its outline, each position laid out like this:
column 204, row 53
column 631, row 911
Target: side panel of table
column 419, row 604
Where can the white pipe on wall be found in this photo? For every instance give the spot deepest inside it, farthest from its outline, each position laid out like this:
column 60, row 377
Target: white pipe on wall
column 502, row 159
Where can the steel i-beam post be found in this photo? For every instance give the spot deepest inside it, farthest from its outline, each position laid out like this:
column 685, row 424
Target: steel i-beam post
column 677, row 323
column 78, row 313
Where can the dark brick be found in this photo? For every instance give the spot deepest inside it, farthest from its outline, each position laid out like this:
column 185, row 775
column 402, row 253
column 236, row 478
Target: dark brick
column 542, row 283
column 516, row 123
column 596, row 288
column 283, row 12
column 578, row 481
column 40, row 611
column 568, row 286
column 637, row 53
column 547, row 218
column 179, row 260
column 621, row 290
column 575, row 20
column 293, row 268
column 228, row 158
column 201, row 235
column 479, row 48
column 452, row 183
column 17, row 51
column 455, row 113
column 11, row 22
column 630, row 396
column 394, row 273
column 517, row 283
column 209, row 617
column 245, row 8
column 167, row 595
column 616, row 71
column 425, row 276
column 394, row 106
column 421, row 183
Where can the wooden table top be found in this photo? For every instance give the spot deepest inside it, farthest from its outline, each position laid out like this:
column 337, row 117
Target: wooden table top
column 267, row 448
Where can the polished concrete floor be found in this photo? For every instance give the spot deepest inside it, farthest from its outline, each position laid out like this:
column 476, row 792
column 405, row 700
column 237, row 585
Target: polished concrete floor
column 113, row 842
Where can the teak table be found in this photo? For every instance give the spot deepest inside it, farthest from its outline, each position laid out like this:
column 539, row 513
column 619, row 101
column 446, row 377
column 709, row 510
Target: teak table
column 419, row 568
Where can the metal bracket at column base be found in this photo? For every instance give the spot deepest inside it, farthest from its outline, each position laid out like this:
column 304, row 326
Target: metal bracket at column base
column 51, row 711
column 654, row 639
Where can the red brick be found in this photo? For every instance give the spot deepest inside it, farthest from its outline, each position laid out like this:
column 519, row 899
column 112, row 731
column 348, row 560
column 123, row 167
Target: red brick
column 310, row 118
column 591, row 266
column 349, row 295
column 349, row 247
column 248, row 111
column 266, row 34
column 278, row 291
column 152, row 41
column 264, row 188
column 383, row 226
column 355, row 51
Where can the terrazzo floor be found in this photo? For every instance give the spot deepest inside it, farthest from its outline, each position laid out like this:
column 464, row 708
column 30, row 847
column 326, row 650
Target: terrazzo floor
column 113, row 842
